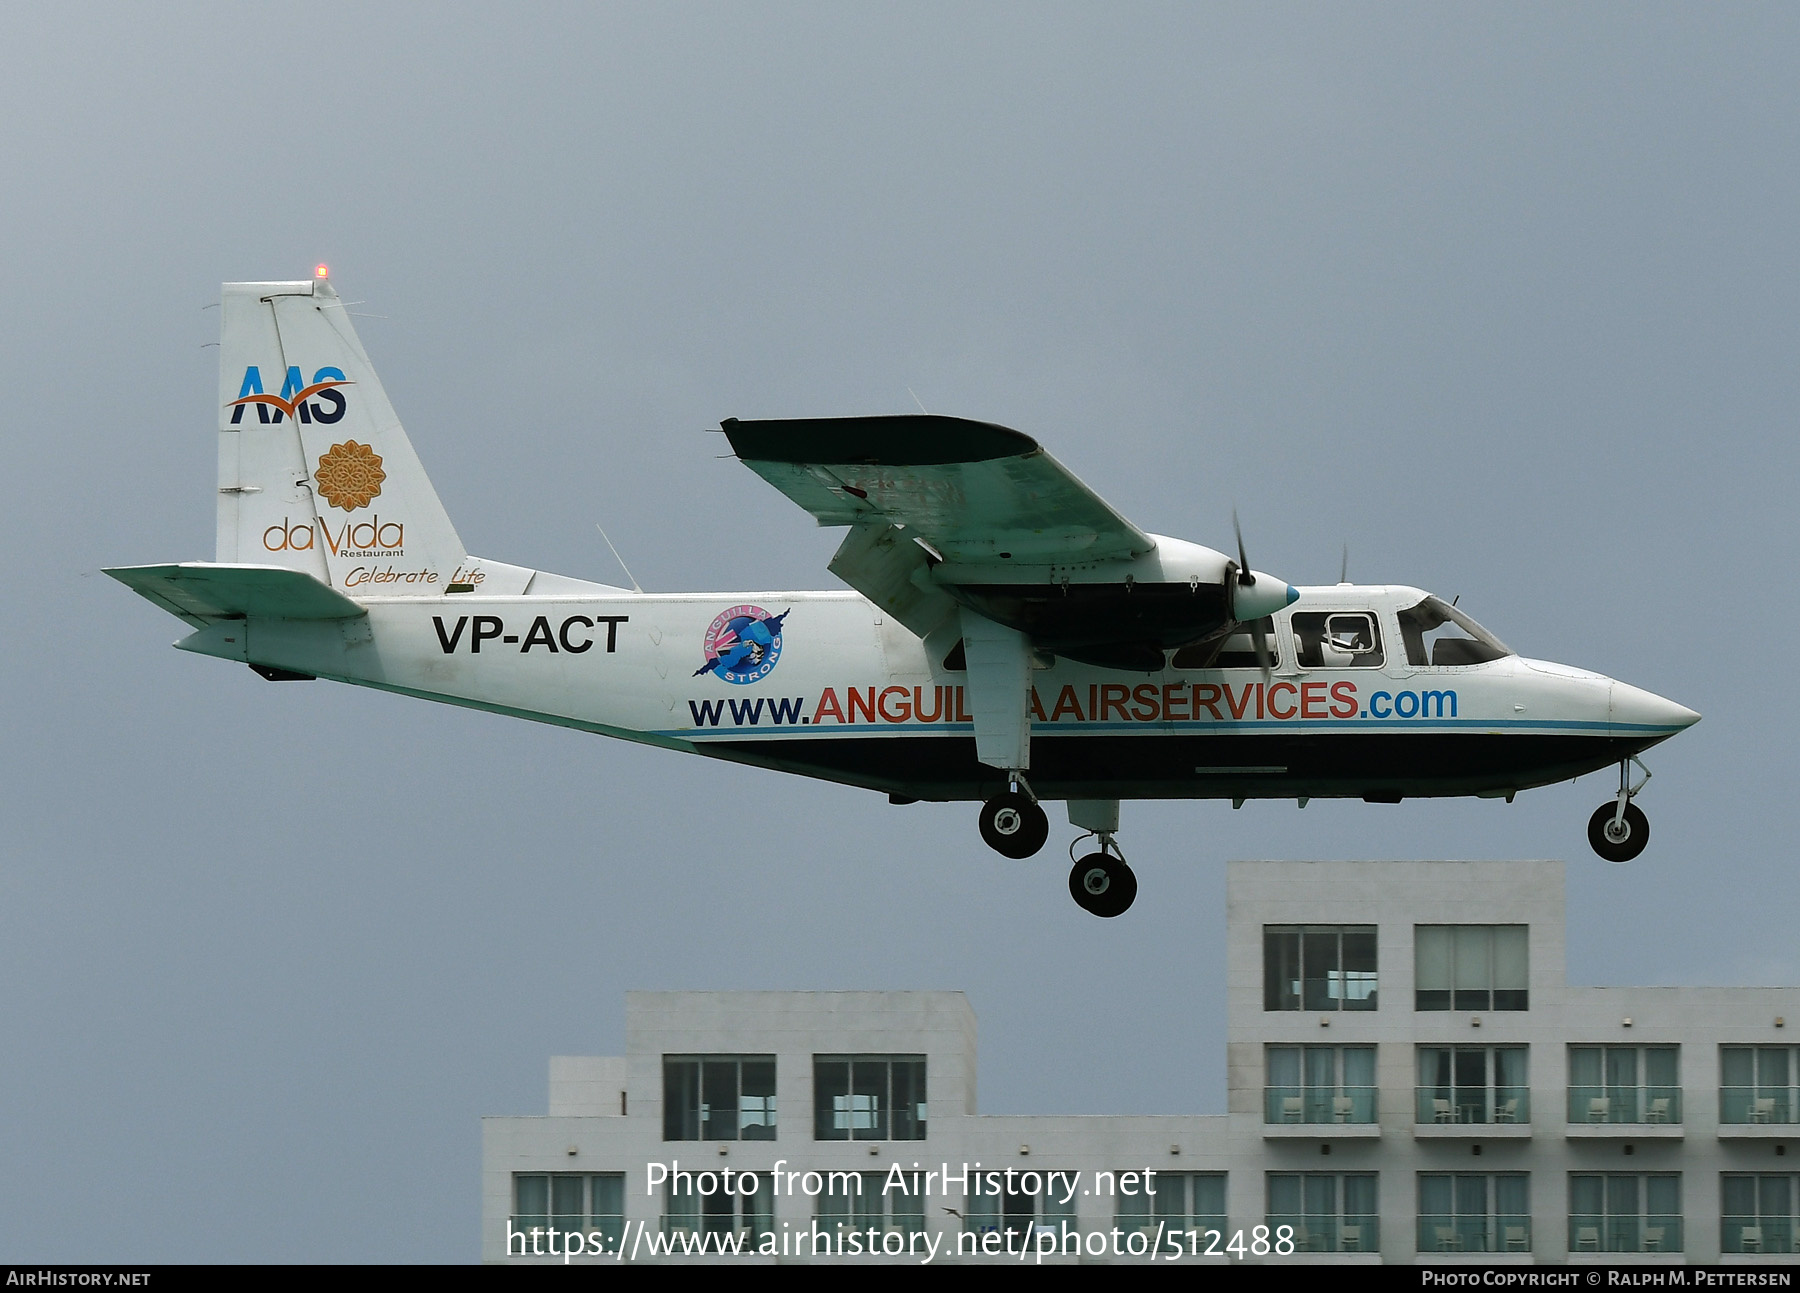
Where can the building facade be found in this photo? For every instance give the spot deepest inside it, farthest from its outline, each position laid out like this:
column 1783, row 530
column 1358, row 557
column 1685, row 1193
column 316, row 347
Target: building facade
column 1410, row 1078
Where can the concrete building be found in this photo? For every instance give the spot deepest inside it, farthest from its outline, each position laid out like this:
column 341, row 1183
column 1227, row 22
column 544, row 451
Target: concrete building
column 1410, row 1078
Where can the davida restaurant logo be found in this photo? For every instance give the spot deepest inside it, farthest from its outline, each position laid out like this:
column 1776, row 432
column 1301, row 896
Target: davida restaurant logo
column 350, row 475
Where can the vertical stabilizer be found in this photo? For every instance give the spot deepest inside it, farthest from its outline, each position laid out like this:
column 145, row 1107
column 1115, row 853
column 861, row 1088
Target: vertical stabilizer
column 315, row 471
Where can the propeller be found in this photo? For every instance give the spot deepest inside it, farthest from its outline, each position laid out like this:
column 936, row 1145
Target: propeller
column 1246, row 578
column 1264, row 660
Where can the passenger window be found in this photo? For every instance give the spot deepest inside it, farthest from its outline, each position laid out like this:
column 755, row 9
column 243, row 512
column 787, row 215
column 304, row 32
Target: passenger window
column 1337, row 640
column 1235, row 652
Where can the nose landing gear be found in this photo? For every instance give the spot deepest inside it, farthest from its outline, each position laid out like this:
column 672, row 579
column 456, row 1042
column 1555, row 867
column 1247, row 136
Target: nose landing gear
column 1101, row 882
column 1619, row 831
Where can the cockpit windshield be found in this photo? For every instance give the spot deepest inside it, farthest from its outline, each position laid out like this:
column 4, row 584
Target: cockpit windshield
column 1436, row 633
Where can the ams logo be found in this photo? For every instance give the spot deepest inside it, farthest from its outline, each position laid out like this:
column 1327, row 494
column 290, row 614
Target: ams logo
column 318, row 402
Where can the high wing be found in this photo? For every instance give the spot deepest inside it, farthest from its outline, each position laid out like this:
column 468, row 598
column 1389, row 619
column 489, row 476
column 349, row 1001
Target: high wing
column 918, row 490
column 973, row 490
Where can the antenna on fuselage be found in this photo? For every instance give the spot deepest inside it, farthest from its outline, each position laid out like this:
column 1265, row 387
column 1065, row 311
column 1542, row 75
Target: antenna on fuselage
column 917, row 400
column 621, row 560
column 1344, row 566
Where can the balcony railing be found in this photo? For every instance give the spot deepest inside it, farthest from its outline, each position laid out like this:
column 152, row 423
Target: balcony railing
column 1638, row 1105
column 1329, row 1234
column 1472, row 1104
column 1740, row 1234
column 1440, row 1233
column 1655, row 1233
column 1319, row 1104
column 1756, row 1104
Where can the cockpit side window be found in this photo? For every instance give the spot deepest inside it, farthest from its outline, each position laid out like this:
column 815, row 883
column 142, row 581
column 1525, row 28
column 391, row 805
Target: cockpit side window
column 1337, row 640
column 1438, row 634
column 1235, row 652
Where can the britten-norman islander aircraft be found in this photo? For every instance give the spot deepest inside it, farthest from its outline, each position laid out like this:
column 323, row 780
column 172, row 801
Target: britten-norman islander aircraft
column 1011, row 638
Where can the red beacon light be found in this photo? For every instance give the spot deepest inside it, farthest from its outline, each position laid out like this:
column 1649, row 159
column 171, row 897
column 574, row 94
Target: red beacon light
column 319, row 271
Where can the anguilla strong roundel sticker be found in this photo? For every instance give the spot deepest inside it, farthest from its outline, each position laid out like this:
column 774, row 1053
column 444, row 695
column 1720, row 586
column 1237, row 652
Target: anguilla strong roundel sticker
column 742, row 644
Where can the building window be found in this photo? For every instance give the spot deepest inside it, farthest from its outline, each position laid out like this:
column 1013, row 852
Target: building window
column 1029, row 1198
column 1474, row 1212
column 1184, row 1202
column 1759, row 1212
column 1470, row 967
column 698, row 1203
column 869, row 1097
column 1473, row 1084
column 582, row 1203
column 859, row 1201
column 1759, row 1084
column 718, row 1097
column 1330, row 1212
column 1319, row 1084
column 1625, row 1212
column 1318, row 967
column 1632, row 1084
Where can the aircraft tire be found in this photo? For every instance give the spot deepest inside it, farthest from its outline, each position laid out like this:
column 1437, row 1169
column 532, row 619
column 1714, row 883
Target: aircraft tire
column 1013, row 825
column 1634, row 832
column 1102, row 884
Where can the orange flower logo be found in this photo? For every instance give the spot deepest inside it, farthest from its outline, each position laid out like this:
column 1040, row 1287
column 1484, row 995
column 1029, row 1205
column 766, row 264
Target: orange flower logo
column 350, row 475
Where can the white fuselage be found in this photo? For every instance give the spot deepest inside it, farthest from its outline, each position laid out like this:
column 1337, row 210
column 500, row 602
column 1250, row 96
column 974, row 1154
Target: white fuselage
column 849, row 695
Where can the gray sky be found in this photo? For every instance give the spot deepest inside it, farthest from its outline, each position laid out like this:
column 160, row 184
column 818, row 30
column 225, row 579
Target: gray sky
column 1504, row 297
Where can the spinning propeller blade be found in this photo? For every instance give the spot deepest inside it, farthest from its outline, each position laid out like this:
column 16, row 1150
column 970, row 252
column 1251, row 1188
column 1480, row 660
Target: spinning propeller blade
column 1246, row 579
column 1263, row 660
column 1245, row 576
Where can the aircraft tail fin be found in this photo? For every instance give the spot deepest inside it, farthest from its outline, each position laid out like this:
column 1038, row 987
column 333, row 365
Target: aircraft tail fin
column 316, row 473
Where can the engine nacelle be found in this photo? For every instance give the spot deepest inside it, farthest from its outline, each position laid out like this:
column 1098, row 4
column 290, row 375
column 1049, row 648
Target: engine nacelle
column 1120, row 614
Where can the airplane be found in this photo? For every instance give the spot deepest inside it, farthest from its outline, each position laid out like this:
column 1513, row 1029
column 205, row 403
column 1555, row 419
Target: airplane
column 1009, row 637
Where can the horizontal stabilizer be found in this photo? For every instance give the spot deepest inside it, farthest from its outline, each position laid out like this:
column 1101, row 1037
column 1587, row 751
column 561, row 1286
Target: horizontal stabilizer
column 202, row 592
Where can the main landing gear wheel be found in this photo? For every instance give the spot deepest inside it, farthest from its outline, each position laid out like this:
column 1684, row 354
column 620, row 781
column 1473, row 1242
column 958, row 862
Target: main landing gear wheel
column 1014, row 826
column 1616, row 839
column 1103, row 884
